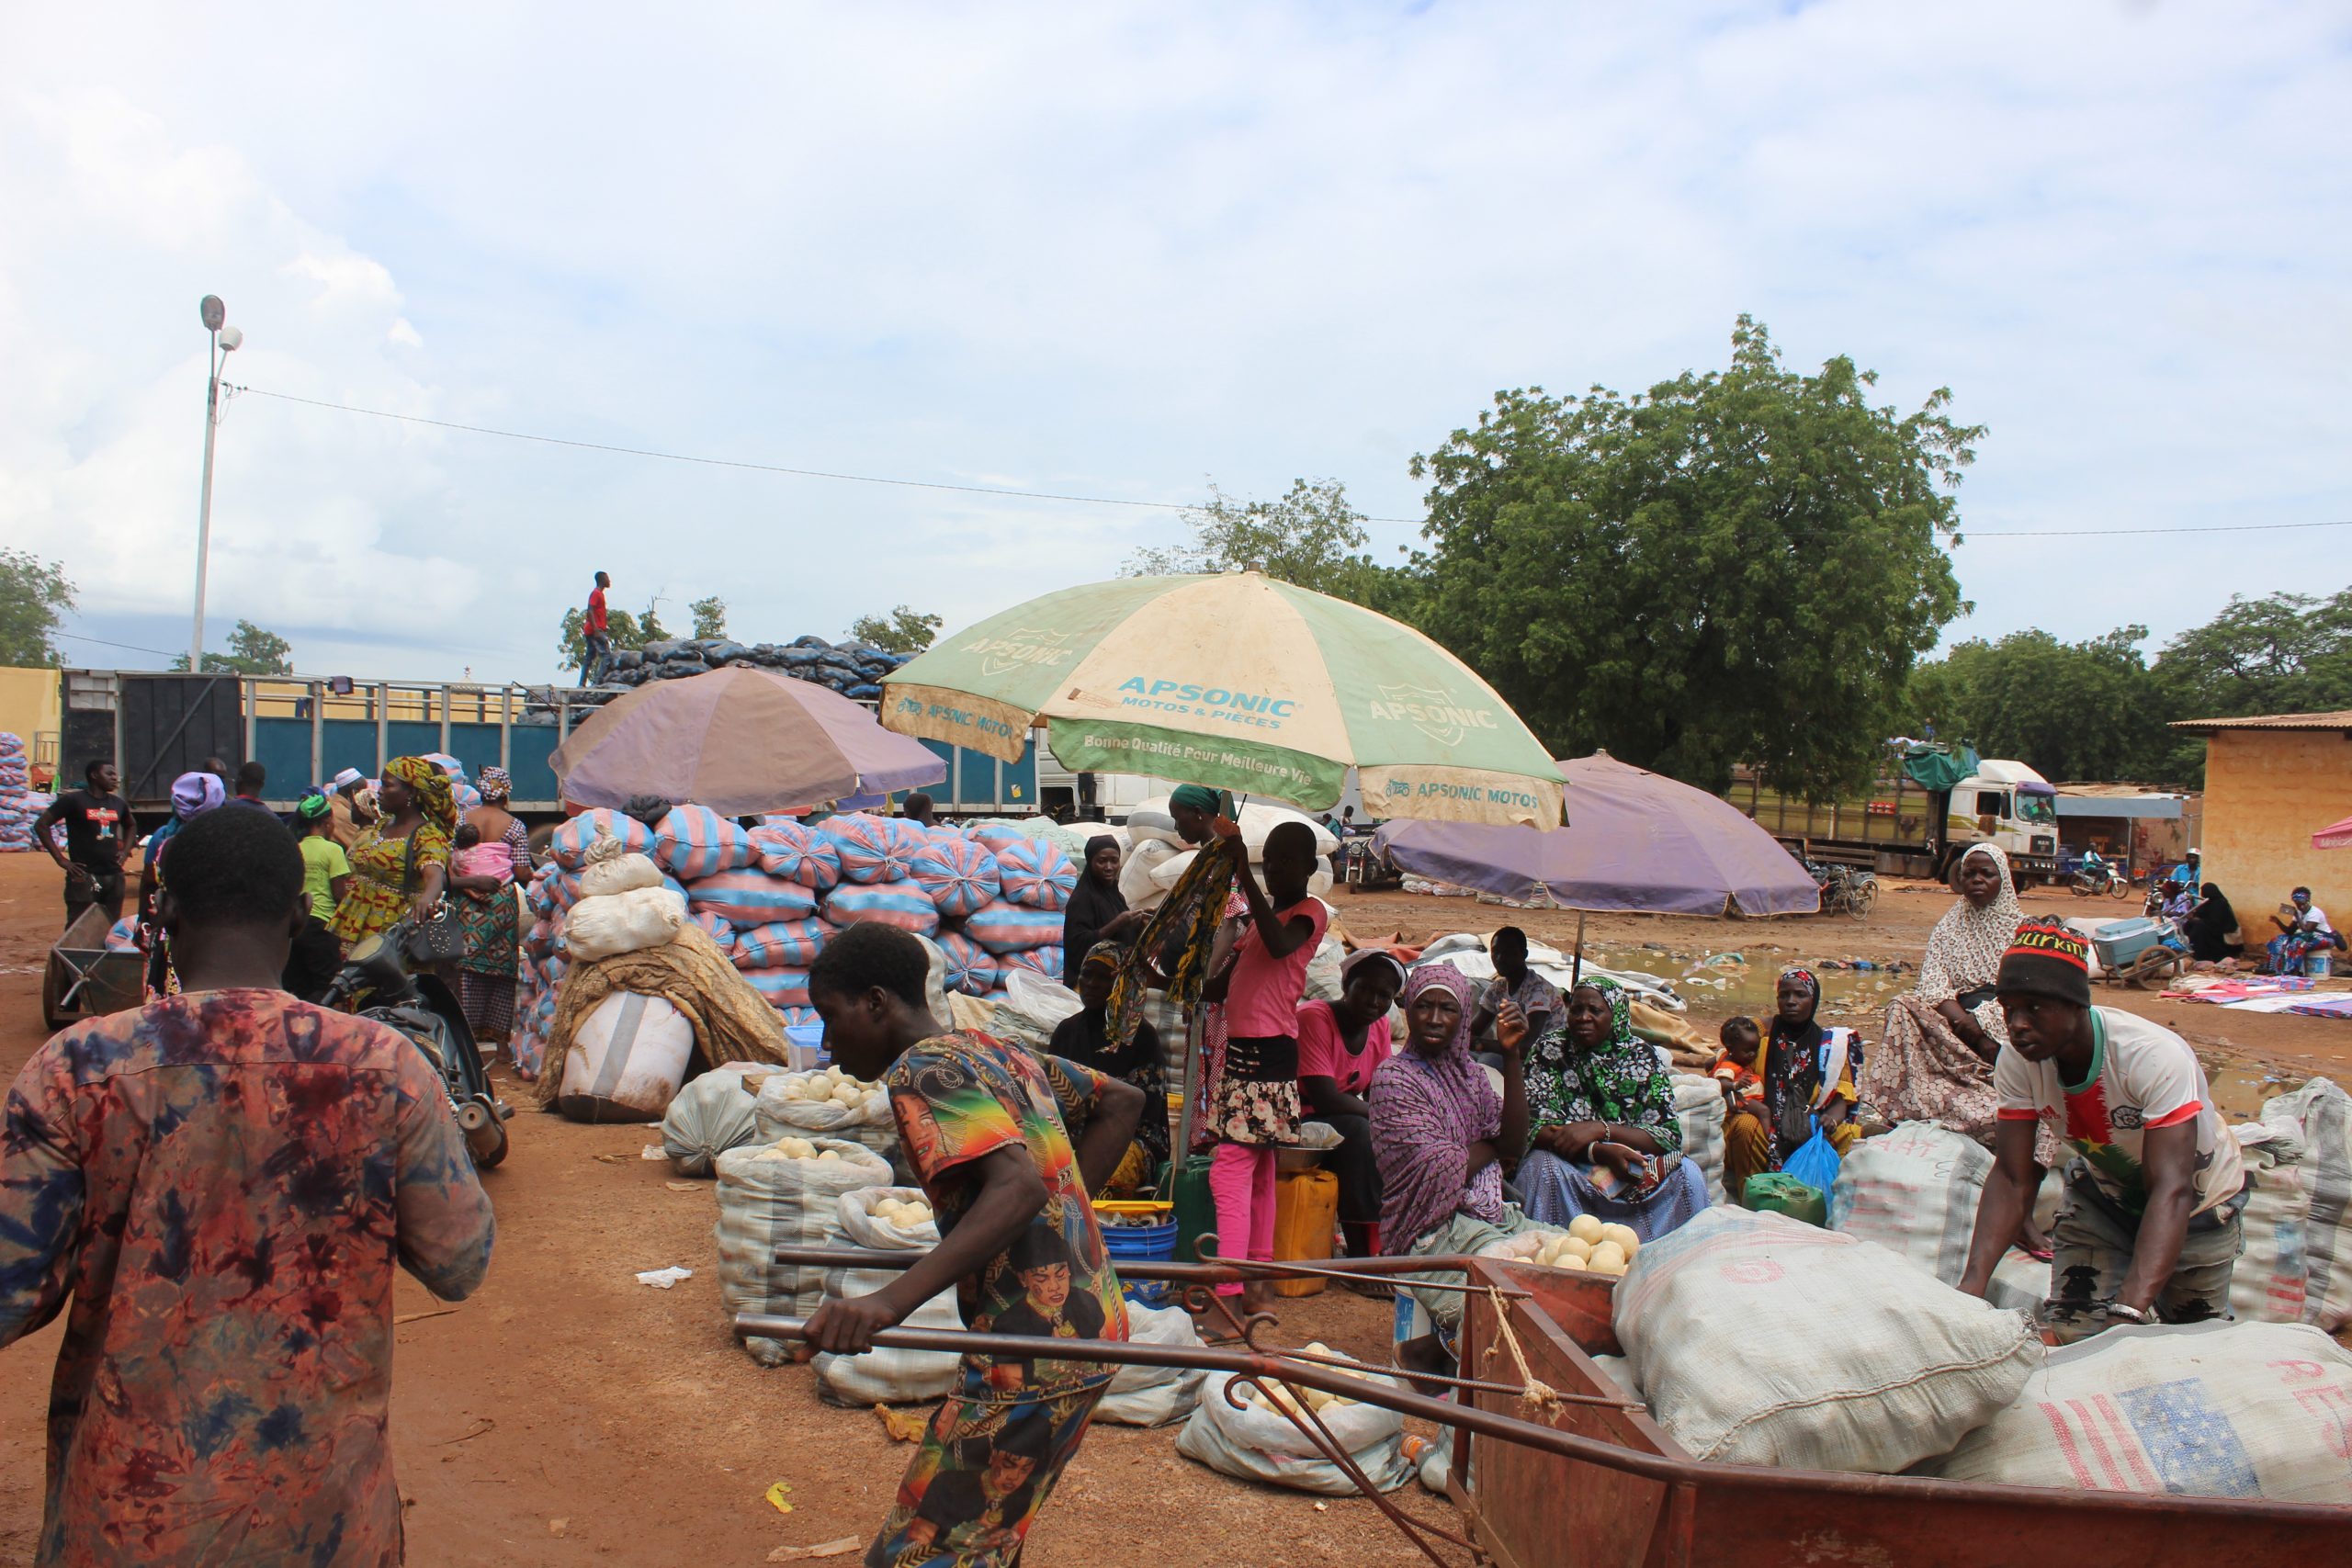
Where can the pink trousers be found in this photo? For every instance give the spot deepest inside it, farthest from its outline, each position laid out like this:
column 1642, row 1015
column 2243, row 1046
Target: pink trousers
column 1241, row 1183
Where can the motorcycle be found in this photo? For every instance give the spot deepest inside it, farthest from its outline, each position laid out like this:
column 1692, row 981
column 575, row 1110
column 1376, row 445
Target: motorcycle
column 1844, row 890
column 2095, row 878
column 375, row 983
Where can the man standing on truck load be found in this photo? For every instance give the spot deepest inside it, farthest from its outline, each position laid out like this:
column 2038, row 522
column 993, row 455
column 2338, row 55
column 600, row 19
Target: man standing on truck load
column 100, row 833
column 592, row 633
column 2149, row 1231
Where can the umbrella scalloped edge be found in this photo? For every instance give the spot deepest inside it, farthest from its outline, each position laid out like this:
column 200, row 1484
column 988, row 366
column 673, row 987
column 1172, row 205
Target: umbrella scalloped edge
column 958, row 718
column 1460, row 794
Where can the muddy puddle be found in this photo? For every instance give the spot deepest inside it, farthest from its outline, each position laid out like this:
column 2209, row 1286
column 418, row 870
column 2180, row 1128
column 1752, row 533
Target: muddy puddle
column 1718, row 985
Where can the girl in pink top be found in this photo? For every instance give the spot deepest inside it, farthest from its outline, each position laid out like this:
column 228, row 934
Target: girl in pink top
column 1254, row 1107
column 1341, row 1045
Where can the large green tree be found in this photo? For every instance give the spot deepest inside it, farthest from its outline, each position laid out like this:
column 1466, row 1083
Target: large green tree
column 2284, row 653
column 1740, row 566
column 252, row 651
column 1311, row 536
column 35, row 594
column 710, row 616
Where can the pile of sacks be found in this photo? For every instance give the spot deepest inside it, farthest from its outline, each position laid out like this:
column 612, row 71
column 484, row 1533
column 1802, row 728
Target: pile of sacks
column 1926, row 1381
column 1154, row 856
column 990, row 895
column 19, row 811
column 853, row 669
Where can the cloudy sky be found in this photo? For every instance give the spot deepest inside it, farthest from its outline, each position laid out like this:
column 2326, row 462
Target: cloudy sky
column 1118, row 251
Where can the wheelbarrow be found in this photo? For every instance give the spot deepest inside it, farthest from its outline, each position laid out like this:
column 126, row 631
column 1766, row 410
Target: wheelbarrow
column 86, row 978
column 1554, row 1464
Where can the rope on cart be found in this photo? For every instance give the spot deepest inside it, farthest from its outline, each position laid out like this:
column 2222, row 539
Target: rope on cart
column 1535, row 1395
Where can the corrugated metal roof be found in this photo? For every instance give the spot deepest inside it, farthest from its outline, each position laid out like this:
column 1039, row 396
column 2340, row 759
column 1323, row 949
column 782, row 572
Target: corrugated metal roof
column 2340, row 719
column 2163, row 807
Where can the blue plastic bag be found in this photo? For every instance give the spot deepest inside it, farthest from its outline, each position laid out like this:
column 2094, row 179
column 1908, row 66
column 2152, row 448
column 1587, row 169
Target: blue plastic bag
column 1815, row 1162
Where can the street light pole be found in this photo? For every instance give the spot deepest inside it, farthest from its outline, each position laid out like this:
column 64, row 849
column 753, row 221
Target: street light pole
column 223, row 341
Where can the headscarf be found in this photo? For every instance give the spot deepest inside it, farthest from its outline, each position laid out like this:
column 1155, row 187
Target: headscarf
column 312, row 807
column 1103, row 955
column 1363, row 955
column 1195, row 797
column 496, row 785
column 1426, row 1113
column 1619, row 1080
column 193, row 795
column 1964, row 950
column 431, row 787
column 1188, row 917
column 1091, row 907
column 1621, row 1007
column 1802, row 976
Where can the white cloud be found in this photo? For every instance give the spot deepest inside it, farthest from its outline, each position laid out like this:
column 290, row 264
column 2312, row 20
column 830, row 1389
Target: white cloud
column 1119, row 250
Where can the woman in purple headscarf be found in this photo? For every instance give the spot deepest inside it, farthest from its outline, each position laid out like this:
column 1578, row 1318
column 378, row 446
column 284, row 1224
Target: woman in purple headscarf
column 1441, row 1134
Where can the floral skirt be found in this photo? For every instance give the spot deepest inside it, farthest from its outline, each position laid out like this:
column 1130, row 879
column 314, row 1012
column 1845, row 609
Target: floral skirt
column 1256, row 1101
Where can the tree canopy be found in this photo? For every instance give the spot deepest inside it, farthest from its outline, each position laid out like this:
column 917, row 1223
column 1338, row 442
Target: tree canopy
column 901, row 631
column 2098, row 710
column 252, row 651
column 710, row 616
column 1740, row 566
column 1312, row 538
column 35, row 594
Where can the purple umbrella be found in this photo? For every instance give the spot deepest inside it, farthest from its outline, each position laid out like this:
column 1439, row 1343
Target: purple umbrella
column 741, row 740
column 1638, row 842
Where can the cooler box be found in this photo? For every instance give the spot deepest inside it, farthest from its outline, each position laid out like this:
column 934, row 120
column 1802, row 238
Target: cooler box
column 2120, row 942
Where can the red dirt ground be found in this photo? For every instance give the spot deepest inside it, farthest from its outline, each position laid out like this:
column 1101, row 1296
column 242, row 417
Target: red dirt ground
column 567, row 1414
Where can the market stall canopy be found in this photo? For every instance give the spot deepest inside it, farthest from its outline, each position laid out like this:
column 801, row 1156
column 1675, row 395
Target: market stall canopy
column 2335, row 837
column 741, row 740
column 1640, row 842
column 1237, row 681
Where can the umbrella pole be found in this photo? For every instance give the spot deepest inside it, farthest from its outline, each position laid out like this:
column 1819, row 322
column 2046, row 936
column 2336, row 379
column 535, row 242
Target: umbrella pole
column 1183, row 1149
column 1576, row 970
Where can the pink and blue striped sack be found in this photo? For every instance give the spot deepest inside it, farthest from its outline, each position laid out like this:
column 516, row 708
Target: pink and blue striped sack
column 872, row 848
column 971, row 968
column 781, row 944
column 553, row 895
column 797, row 854
column 995, row 836
column 716, row 927
column 1035, row 871
column 899, row 904
column 1008, row 927
column 782, row 988
column 570, row 844
column 466, row 798
column 1045, row 961
column 751, row 897
column 695, row 841
column 959, row 874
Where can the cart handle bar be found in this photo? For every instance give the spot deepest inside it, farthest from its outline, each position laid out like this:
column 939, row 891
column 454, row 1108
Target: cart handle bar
column 1660, row 1468
column 1225, row 1271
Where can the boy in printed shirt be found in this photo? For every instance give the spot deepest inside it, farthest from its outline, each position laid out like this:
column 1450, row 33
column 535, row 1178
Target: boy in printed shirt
column 980, row 1122
column 2150, row 1228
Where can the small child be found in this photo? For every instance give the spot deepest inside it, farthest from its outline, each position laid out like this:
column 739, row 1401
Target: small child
column 474, row 858
column 1736, row 1067
column 1255, row 1107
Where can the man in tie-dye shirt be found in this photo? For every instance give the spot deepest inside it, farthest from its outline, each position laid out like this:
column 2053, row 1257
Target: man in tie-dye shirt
column 223, row 1181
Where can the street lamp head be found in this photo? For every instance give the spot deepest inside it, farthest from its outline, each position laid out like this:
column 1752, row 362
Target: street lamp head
column 213, row 311
column 232, row 339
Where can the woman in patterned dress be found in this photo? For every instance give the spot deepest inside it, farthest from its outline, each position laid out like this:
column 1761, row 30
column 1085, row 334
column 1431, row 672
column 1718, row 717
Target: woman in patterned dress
column 1607, row 1142
column 401, row 860
column 487, row 914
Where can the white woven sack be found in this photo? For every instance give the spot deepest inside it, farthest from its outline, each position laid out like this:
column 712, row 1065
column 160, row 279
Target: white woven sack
column 623, row 922
column 706, row 1118
column 2321, row 1116
column 1153, row 1396
column 1255, row 818
column 861, row 1226
column 2254, row 1410
column 1915, row 1364
column 767, row 1203
column 627, row 1058
column 1915, row 1191
column 887, row 1376
column 1137, row 883
column 1251, row 1445
column 2271, row 1279
column 1699, row 1106
column 1032, row 1007
column 620, row 874
column 779, row 1115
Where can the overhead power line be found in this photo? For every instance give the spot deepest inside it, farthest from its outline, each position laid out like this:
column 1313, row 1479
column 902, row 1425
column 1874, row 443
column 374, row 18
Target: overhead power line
column 748, row 464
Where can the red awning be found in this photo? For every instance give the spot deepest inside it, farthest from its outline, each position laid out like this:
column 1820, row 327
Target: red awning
column 2338, row 837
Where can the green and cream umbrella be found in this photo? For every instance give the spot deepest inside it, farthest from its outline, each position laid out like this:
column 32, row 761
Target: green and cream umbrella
column 1240, row 682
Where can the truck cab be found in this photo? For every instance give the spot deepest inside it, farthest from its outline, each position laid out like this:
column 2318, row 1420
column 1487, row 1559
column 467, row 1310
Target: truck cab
column 2006, row 803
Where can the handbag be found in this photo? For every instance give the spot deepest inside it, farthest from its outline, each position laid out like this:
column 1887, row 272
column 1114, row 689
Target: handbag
column 436, row 939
